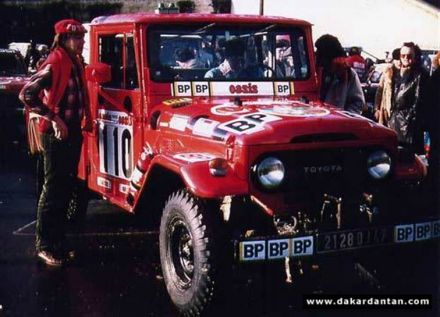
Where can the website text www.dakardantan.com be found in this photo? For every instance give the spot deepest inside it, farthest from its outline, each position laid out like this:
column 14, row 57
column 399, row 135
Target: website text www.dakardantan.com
column 322, row 301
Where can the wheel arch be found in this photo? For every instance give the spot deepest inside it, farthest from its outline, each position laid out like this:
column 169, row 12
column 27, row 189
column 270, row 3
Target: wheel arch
column 160, row 183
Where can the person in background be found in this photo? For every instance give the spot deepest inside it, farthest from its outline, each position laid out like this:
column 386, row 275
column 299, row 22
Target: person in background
column 369, row 63
column 435, row 63
column 44, row 52
column 186, row 59
column 357, row 62
column 382, row 100
column 233, row 63
column 32, row 57
column 57, row 102
column 284, row 60
column 206, row 55
column 339, row 84
column 434, row 130
column 219, row 51
column 409, row 101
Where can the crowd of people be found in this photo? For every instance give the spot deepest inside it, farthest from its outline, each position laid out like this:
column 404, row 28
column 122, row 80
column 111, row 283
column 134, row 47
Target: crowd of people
column 407, row 99
column 35, row 56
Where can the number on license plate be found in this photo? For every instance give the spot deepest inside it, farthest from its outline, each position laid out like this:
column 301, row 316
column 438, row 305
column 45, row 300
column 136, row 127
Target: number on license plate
column 352, row 239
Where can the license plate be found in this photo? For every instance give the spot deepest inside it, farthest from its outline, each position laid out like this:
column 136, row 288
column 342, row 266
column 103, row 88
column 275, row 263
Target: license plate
column 272, row 248
column 353, row 239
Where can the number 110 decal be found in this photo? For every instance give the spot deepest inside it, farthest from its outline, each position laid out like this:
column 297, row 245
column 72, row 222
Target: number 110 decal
column 115, row 149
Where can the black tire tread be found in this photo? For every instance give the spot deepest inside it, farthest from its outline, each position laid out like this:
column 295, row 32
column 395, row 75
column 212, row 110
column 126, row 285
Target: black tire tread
column 204, row 223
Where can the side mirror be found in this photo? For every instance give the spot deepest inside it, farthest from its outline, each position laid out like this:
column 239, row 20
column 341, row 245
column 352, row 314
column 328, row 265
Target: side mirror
column 99, row 73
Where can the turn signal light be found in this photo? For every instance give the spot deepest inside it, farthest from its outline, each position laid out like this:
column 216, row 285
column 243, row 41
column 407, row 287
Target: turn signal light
column 218, row 167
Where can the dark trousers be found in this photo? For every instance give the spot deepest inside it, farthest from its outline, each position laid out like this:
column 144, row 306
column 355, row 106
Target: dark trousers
column 59, row 162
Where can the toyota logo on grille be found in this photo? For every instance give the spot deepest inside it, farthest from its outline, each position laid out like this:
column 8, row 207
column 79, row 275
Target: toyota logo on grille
column 323, row 169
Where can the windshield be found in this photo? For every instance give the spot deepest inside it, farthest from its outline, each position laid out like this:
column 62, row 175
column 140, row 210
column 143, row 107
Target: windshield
column 11, row 64
column 236, row 52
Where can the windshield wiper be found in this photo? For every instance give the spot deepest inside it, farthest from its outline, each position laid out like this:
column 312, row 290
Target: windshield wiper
column 265, row 29
column 259, row 32
column 196, row 32
column 204, row 28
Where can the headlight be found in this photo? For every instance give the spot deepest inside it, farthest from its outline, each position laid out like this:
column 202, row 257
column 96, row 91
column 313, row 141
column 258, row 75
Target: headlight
column 379, row 164
column 270, row 172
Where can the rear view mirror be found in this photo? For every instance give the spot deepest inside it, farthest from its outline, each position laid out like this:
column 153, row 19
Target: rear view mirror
column 99, row 73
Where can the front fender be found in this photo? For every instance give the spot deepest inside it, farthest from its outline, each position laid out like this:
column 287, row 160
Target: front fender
column 413, row 171
column 199, row 180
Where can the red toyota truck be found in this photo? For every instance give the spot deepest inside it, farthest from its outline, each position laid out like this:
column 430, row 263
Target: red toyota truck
column 211, row 126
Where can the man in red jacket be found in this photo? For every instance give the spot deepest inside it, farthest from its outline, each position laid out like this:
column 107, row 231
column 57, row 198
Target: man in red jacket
column 56, row 100
column 357, row 62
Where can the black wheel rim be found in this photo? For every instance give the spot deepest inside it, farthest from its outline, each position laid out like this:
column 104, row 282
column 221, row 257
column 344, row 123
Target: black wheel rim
column 182, row 253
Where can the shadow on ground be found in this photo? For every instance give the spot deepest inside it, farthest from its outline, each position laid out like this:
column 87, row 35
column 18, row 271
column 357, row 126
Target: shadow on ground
column 117, row 271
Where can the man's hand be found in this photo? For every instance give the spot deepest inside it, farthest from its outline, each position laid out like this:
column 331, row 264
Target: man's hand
column 377, row 114
column 59, row 128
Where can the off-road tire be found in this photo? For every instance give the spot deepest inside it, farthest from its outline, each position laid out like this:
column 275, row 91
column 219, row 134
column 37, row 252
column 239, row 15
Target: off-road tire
column 191, row 251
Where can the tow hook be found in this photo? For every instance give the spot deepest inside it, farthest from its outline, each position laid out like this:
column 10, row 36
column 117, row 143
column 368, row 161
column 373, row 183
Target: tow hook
column 331, row 210
column 368, row 208
column 289, row 225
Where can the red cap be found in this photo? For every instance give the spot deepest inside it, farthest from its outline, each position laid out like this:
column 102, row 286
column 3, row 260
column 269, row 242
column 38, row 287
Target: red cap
column 69, row 26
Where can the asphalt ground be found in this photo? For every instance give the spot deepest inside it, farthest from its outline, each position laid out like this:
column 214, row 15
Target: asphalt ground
column 117, row 270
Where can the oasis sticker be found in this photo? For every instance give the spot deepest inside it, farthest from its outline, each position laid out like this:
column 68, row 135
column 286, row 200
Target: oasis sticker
column 222, row 88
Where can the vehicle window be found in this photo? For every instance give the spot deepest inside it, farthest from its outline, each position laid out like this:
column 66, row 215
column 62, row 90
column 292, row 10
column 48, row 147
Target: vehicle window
column 131, row 73
column 111, row 51
column 11, row 64
column 210, row 52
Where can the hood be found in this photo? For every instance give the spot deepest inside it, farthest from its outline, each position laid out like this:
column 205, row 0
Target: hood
column 12, row 84
column 266, row 121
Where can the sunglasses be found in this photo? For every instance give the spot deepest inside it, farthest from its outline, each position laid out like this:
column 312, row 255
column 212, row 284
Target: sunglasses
column 76, row 36
column 409, row 56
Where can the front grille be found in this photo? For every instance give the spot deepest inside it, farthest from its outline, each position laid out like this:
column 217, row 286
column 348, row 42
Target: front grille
column 327, row 137
column 310, row 174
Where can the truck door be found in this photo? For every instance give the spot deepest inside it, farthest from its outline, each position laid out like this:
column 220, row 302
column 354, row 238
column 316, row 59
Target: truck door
column 118, row 119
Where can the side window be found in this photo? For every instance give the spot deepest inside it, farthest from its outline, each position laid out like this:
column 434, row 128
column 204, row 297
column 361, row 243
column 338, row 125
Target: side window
column 123, row 64
column 110, row 52
column 131, row 73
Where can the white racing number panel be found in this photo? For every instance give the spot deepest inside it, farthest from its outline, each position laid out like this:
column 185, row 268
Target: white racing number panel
column 278, row 248
column 115, row 143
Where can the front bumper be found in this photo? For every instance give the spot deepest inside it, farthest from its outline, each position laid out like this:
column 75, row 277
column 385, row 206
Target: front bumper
column 278, row 247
